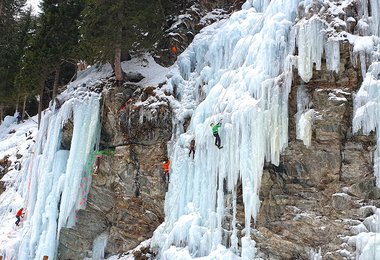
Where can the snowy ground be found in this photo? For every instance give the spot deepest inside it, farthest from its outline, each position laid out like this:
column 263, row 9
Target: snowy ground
column 15, row 140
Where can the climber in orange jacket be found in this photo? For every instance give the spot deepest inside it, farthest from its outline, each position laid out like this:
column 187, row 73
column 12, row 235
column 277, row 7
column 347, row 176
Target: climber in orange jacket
column 166, row 165
column 174, row 50
column 19, row 215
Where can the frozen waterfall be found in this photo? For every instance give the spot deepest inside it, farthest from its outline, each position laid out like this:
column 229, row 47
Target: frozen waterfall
column 238, row 70
column 57, row 180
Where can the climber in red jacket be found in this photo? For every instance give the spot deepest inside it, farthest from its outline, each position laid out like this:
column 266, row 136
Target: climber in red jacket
column 166, row 165
column 19, row 215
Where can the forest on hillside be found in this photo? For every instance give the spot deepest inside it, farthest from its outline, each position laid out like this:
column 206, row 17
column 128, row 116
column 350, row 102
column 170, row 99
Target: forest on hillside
column 41, row 53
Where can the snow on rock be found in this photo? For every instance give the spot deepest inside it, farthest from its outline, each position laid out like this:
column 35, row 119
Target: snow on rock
column 130, row 255
column 153, row 73
column 315, row 255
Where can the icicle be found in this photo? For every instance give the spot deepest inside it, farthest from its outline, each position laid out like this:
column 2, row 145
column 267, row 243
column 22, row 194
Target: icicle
column 332, row 53
column 99, row 245
column 375, row 17
column 372, row 17
column 314, row 255
column 310, row 39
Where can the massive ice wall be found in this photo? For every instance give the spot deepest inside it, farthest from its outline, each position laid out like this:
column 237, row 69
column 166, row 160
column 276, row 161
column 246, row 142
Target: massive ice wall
column 367, row 111
column 57, row 179
column 366, row 101
column 238, row 70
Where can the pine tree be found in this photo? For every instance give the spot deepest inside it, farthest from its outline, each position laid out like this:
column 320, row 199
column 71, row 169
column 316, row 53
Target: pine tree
column 58, row 34
column 55, row 42
column 112, row 27
column 10, row 46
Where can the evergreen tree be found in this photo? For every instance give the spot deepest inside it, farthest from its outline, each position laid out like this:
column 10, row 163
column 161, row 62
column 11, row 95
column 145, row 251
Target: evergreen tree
column 110, row 27
column 58, row 34
column 10, row 46
column 55, row 42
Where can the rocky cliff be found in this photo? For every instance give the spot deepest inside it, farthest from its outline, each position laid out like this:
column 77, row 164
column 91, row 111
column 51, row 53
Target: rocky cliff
column 318, row 193
column 126, row 197
column 310, row 202
column 314, row 201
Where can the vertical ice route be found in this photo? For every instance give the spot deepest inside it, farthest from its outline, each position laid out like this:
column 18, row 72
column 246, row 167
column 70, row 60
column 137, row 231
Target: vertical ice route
column 244, row 69
column 53, row 189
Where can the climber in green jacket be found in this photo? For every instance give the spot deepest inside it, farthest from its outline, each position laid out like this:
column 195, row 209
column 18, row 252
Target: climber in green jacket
column 215, row 129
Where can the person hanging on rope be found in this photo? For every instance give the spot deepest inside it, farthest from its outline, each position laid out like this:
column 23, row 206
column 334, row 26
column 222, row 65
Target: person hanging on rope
column 166, row 165
column 192, row 148
column 19, row 215
column 215, row 130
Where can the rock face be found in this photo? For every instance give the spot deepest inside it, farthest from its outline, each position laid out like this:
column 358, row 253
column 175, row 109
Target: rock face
column 191, row 16
column 308, row 200
column 125, row 201
column 4, row 165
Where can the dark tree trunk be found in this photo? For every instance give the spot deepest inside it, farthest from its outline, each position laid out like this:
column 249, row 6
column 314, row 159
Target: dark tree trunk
column 56, row 81
column 1, row 113
column 40, row 103
column 17, row 104
column 117, row 64
column 23, row 108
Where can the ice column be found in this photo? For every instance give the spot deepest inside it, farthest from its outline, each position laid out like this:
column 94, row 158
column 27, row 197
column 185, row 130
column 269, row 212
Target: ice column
column 332, row 53
column 310, row 43
column 367, row 111
column 373, row 17
column 369, row 26
column 54, row 180
column 304, row 116
column 99, row 245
